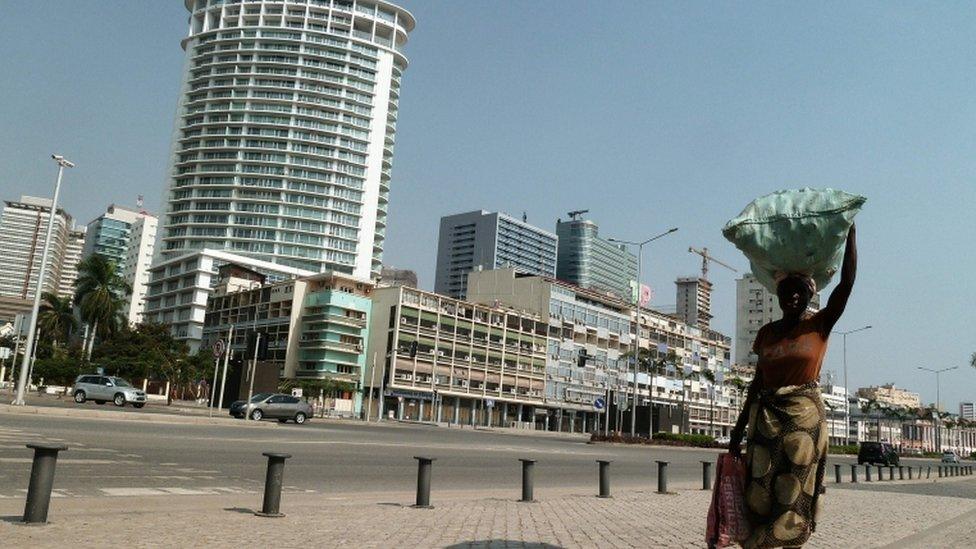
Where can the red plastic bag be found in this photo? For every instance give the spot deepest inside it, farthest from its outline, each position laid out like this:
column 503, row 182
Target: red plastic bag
column 728, row 522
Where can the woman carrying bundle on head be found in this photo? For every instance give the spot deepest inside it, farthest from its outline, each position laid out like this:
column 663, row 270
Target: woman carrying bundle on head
column 787, row 438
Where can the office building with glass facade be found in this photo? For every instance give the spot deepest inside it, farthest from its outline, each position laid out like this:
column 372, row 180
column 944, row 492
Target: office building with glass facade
column 589, row 261
column 285, row 130
column 126, row 237
column 481, row 240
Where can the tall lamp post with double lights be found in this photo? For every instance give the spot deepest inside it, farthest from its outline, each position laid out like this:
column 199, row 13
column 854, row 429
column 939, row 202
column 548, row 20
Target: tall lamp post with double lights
column 39, row 289
column 640, row 251
column 938, row 403
column 847, row 396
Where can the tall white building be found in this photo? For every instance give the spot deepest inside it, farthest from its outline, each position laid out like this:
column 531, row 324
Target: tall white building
column 967, row 411
column 755, row 306
column 23, row 227
column 284, row 133
column 127, row 237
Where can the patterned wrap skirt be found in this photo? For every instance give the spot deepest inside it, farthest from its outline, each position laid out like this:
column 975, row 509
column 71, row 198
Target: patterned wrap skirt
column 785, row 459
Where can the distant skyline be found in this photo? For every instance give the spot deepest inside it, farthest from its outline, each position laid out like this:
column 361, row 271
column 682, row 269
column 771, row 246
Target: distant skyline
column 649, row 114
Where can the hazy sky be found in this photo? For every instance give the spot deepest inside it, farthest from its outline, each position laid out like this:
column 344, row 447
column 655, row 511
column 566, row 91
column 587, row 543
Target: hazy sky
column 650, row 115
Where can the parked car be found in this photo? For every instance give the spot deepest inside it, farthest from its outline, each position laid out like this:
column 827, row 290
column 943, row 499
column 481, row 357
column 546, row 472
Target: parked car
column 950, row 457
column 103, row 389
column 273, row 406
column 724, row 440
column 877, row 453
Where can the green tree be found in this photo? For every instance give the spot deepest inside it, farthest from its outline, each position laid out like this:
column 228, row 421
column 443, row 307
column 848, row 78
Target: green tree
column 709, row 376
column 100, row 294
column 56, row 318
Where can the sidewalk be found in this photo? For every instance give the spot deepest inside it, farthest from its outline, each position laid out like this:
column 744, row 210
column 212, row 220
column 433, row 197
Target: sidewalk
column 569, row 518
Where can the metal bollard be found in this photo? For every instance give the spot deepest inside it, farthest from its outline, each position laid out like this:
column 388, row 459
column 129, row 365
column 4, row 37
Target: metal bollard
column 891, row 472
column 604, row 477
column 706, row 475
column 528, row 465
column 940, row 471
column 272, row 485
column 910, row 472
column 423, row 482
column 837, row 473
column 927, row 474
column 867, row 473
column 901, row 472
column 662, row 477
column 41, row 481
column 853, row 473
column 880, row 473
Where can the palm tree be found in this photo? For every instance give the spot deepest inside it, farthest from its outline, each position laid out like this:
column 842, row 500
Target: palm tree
column 56, row 318
column 872, row 405
column 710, row 377
column 100, row 293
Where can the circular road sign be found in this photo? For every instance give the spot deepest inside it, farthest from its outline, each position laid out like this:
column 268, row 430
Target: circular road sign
column 599, row 403
column 218, row 348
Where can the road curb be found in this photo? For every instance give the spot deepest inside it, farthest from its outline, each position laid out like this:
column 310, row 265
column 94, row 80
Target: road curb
column 118, row 416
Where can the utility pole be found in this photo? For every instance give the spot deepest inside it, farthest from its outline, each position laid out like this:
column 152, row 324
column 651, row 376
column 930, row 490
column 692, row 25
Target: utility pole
column 223, row 378
column 938, row 404
column 847, row 396
column 640, row 251
column 254, row 368
column 39, row 289
column 372, row 386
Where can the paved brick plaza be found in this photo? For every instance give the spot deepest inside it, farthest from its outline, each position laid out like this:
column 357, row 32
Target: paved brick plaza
column 852, row 518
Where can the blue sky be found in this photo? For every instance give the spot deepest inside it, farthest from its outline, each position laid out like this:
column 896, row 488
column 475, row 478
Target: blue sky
column 649, row 114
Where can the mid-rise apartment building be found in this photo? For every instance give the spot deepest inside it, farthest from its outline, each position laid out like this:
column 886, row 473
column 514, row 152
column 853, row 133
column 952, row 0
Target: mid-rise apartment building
column 481, row 240
column 126, row 237
column 449, row 361
column 285, row 130
column 967, row 411
column 391, row 276
column 589, row 330
column 23, row 226
column 755, row 307
column 589, row 261
column 890, row 395
column 316, row 327
column 179, row 288
column 694, row 301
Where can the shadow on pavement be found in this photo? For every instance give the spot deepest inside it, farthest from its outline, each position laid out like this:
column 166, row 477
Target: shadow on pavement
column 241, row 510
column 502, row 543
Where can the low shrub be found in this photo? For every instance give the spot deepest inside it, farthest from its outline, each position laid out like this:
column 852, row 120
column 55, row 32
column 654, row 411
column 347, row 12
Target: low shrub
column 662, row 439
column 847, row 450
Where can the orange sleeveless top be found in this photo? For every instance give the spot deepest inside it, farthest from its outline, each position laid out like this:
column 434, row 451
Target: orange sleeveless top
column 793, row 358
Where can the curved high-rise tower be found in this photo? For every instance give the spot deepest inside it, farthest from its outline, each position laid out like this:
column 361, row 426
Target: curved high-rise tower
column 285, row 129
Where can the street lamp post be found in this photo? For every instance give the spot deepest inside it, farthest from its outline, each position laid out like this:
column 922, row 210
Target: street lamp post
column 847, row 396
column 39, row 289
column 938, row 403
column 640, row 251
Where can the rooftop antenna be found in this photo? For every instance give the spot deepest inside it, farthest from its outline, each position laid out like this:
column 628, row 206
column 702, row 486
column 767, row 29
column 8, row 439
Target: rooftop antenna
column 577, row 214
column 139, row 202
column 525, row 217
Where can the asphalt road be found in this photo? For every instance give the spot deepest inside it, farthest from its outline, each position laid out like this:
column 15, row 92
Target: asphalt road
column 130, row 458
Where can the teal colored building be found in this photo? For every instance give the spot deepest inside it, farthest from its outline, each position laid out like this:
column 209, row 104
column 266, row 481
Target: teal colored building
column 333, row 330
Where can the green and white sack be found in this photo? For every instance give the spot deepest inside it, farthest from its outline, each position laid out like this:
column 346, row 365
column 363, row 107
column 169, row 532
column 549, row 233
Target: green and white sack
column 795, row 232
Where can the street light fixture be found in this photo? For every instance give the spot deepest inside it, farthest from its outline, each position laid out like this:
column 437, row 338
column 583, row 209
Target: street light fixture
column 847, row 396
column 39, row 289
column 640, row 251
column 938, row 403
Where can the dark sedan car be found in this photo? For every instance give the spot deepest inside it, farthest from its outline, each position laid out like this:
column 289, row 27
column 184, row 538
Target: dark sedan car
column 273, row 406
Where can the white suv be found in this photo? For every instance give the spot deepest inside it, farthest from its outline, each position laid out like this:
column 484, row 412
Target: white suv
column 102, row 389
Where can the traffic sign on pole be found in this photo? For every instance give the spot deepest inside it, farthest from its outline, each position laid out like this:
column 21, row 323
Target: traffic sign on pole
column 218, row 348
column 599, row 403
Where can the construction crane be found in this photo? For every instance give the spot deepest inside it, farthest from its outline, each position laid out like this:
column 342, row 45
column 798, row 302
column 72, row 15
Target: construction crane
column 706, row 258
column 576, row 214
